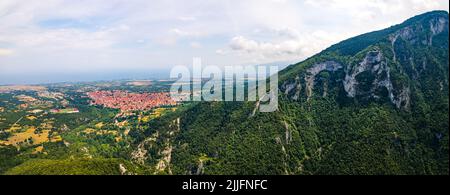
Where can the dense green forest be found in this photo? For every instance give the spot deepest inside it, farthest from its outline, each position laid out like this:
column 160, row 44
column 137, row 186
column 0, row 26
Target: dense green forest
column 77, row 167
column 379, row 105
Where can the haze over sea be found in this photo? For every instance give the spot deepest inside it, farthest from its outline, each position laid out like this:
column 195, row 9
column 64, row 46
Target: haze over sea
column 46, row 78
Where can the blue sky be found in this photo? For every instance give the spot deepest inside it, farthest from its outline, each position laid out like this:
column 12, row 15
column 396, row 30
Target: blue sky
column 86, row 36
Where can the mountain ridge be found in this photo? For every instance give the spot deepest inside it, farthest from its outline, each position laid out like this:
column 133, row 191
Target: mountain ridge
column 383, row 110
column 407, row 31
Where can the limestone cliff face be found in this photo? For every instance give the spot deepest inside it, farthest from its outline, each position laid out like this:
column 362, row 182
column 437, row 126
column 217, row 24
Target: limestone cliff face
column 374, row 64
column 316, row 69
column 383, row 70
column 421, row 33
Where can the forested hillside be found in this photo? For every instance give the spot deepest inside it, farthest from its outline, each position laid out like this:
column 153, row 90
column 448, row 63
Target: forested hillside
column 373, row 104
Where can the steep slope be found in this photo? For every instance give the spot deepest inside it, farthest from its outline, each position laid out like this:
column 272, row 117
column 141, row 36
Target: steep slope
column 373, row 104
column 77, row 167
column 388, row 63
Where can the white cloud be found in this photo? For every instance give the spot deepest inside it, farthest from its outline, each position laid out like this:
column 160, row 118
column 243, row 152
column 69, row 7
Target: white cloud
column 6, row 52
column 196, row 45
column 282, row 32
column 101, row 34
column 187, row 18
column 221, row 52
column 285, row 44
column 183, row 33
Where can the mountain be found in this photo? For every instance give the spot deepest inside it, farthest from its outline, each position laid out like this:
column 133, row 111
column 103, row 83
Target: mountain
column 373, row 104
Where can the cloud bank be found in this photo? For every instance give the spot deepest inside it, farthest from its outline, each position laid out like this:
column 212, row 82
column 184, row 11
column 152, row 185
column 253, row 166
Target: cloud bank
column 100, row 35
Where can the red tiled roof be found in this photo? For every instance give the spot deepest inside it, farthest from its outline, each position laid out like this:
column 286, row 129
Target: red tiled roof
column 126, row 101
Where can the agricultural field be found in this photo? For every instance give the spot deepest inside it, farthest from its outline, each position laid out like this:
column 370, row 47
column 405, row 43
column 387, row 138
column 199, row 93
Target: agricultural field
column 60, row 122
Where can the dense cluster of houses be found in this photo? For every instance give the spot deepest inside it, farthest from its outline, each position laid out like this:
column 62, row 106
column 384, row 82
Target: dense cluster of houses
column 126, row 101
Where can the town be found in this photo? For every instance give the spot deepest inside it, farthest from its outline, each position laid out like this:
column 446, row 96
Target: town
column 126, row 101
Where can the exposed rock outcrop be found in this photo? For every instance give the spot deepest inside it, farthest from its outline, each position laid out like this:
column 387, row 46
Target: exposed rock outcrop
column 140, row 154
column 437, row 26
column 375, row 63
column 288, row 133
column 411, row 34
column 316, row 69
column 122, row 169
column 295, row 87
column 164, row 162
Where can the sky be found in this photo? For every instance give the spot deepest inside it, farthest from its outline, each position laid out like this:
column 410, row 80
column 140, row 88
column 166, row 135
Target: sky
column 49, row 40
